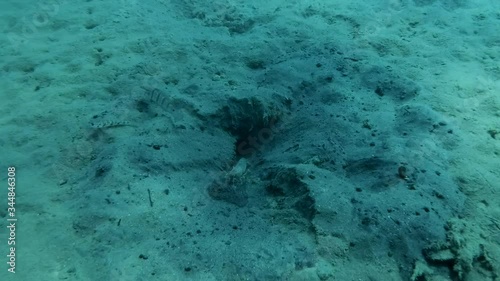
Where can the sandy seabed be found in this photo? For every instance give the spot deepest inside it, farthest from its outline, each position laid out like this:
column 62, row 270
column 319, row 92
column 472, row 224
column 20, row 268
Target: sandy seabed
column 252, row 140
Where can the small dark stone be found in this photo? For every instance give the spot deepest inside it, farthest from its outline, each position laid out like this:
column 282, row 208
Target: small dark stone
column 256, row 64
column 187, row 269
column 493, row 133
column 402, row 172
column 101, row 171
column 438, row 195
column 143, row 257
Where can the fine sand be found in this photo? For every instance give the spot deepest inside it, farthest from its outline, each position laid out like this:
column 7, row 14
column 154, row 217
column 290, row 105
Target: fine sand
column 251, row 140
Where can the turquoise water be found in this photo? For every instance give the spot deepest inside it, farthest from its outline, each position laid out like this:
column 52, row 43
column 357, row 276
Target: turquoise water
column 237, row 140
